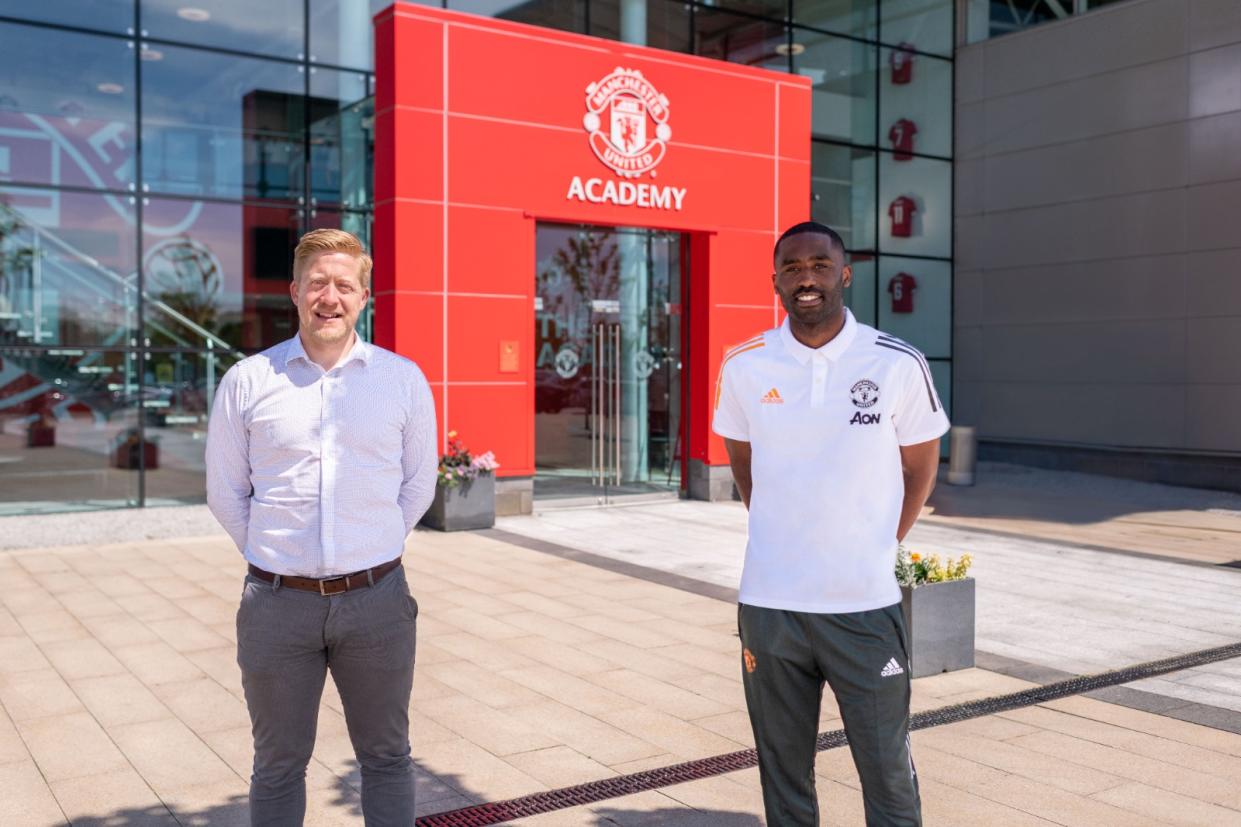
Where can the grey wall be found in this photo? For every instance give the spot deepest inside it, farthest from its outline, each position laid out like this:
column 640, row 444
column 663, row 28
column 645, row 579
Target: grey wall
column 1098, row 230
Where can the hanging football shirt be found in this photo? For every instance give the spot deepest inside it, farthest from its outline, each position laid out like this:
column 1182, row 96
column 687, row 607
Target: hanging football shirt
column 902, row 287
column 902, row 137
column 901, row 211
column 901, row 61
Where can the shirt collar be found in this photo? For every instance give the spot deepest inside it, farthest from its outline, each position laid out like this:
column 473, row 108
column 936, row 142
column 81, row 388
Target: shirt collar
column 832, row 350
column 361, row 351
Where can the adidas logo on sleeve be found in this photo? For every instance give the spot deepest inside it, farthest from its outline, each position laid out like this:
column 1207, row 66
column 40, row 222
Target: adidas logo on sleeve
column 893, row 668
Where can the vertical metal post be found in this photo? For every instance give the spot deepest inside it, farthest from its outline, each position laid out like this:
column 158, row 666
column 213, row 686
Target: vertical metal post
column 140, row 201
column 36, row 287
column 616, row 415
column 594, row 404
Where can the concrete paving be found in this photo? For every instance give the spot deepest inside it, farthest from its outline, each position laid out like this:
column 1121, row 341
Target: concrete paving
column 120, row 700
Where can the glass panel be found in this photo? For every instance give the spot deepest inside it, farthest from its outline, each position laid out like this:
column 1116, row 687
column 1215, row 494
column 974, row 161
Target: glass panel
column 342, row 114
column 917, row 116
column 567, row 15
column 773, row 9
column 986, row 18
column 667, row 23
column 179, row 390
column 108, row 15
column 67, row 274
column 842, row 181
column 608, row 370
column 219, row 273
column 341, row 32
column 860, row 295
column 843, row 97
column 915, row 197
column 68, row 437
column 725, row 36
column 221, row 125
column 915, row 303
column 855, row 17
column 275, row 29
column 67, row 121
column 925, row 25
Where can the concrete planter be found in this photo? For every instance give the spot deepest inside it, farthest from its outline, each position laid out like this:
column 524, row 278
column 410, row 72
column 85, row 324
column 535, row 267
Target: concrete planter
column 940, row 620
column 468, row 506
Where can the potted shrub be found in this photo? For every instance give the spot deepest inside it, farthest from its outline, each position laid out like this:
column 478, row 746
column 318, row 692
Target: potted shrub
column 126, row 448
column 465, row 493
column 937, row 600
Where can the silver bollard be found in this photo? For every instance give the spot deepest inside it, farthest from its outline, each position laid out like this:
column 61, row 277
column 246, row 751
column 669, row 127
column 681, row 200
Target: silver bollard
column 962, row 455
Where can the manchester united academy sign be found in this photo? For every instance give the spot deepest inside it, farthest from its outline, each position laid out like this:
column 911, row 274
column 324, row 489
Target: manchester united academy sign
column 626, row 122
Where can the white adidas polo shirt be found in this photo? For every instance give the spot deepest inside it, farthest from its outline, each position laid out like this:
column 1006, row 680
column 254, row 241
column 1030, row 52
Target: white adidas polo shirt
column 825, row 428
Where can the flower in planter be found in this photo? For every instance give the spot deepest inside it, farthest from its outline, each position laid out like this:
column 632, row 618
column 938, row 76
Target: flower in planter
column 913, row 570
column 459, row 466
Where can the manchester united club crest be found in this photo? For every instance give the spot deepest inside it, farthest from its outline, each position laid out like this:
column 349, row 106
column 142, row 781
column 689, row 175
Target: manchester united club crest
column 864, row 393
column 627, row 120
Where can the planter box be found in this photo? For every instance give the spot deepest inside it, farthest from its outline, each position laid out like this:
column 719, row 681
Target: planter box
column 940, row 620
column 40, row 436
column 125, row 456
column 468, row 506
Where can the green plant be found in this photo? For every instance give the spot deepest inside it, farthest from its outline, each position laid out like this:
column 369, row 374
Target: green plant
column 912, row 569
column 459, row 466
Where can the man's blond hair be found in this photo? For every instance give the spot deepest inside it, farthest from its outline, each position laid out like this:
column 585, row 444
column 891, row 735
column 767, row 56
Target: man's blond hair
column 332, row 241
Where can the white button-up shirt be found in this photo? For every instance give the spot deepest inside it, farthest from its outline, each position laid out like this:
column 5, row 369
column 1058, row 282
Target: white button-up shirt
column 319, row 473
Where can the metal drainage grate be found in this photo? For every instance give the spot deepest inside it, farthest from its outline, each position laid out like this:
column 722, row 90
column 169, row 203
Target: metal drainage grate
column 545, row 802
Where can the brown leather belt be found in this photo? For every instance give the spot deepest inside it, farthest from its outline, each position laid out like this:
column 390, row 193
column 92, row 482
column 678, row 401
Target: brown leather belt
column 329, row 585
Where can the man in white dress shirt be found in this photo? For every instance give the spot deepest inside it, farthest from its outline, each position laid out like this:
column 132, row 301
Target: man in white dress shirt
column 321, row 458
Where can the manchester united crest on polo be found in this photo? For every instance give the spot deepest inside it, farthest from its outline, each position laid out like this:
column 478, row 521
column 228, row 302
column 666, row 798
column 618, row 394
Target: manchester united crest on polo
column 627, row 120
column 864, row 393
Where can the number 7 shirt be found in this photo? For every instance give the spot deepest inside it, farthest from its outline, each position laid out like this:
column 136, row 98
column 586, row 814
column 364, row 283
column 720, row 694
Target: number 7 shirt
column 825, row 428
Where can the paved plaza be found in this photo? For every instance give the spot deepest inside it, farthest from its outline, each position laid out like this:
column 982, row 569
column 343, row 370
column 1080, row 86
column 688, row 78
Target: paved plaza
column 582, row 644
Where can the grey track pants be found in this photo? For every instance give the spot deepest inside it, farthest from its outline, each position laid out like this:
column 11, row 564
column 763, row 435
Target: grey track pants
column 786, row 659
column 287, row 640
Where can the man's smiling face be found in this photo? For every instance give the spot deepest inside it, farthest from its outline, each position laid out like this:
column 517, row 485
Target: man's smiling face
column 329, row 295
column 811, row 278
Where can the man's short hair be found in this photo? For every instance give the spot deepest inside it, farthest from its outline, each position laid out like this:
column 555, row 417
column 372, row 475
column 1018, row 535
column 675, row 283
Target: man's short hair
column 332, row 241
column 811, row 227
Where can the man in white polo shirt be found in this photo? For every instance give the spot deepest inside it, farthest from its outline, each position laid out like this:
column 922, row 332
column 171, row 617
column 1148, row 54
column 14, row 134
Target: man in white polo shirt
column 832, row 430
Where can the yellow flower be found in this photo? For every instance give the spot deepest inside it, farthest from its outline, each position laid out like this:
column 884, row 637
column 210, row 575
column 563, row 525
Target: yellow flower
column 915, row 557
column 452, row 434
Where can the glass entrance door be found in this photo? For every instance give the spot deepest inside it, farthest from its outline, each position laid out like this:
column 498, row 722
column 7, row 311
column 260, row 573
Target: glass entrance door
column 608, row 371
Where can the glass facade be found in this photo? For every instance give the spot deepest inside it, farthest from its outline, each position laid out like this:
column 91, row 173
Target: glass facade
column 991, row 18
column 156, row 174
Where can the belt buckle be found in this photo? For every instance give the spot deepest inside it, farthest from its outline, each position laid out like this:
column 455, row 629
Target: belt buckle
column 326, row 593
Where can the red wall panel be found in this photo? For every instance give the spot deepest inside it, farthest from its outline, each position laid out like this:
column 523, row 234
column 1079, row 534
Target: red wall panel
column 515, row 102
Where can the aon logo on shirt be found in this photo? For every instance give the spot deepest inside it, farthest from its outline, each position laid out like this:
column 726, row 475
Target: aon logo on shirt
column 860, row 418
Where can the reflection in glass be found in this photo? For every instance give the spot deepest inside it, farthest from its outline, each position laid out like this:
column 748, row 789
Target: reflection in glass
column 842, row 183
column 219, row 274
column 67, row 274
column 773, row 9
column 68, row 420
column 178, row 393
column 342, row 115
column 608, row 369
column 566, row 15
column 273, row 29
column 222, row 126
column 854, row 17
column 67, row 121
column 341, row 33
column 925, row 25
column 725, row 36
column 116, row 16
column 667, row 23
column 843, row 96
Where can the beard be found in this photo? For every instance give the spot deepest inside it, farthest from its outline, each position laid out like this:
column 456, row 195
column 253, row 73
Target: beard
column 833, row 303
column 327, row 335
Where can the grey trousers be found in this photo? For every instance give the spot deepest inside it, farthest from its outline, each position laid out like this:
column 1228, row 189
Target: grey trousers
column 786, row 659
column 286, row 642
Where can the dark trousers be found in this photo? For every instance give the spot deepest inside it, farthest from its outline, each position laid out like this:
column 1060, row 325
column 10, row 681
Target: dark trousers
column 786, row 659
column 287, row 640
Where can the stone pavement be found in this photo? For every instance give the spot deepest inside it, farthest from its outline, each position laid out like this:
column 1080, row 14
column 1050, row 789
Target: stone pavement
column 120, row 703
